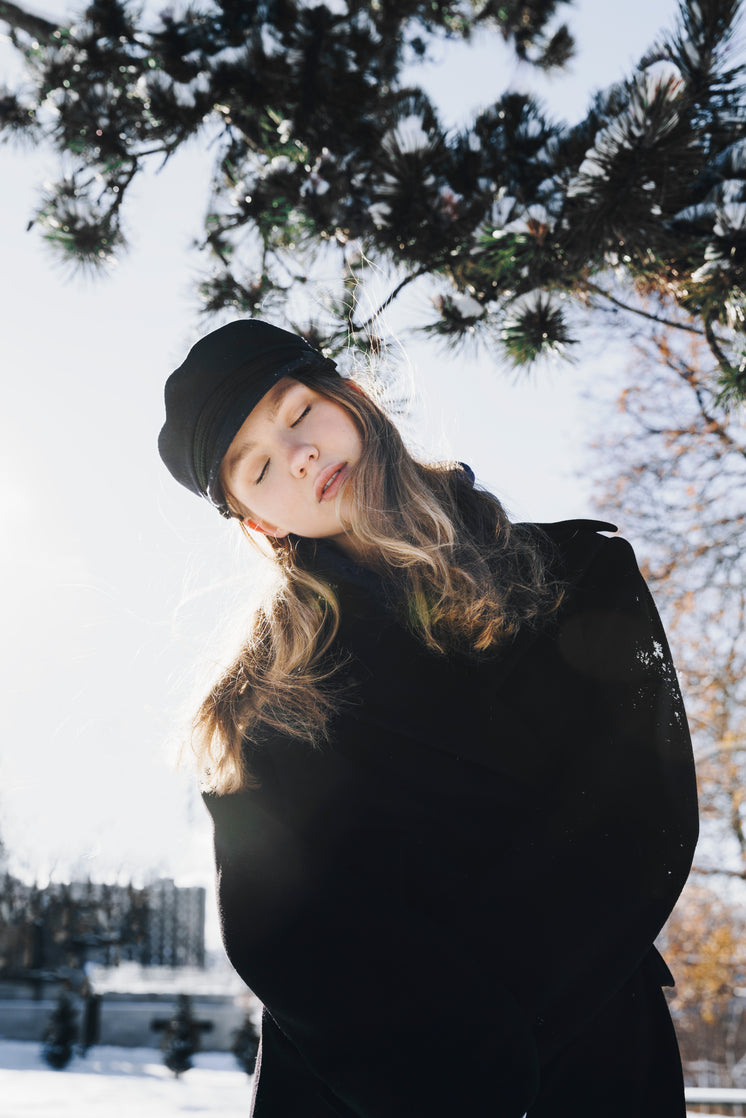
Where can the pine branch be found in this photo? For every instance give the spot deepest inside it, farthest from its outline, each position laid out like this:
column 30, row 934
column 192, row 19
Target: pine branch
column 714, row 345
column 359, row 327
column 637, row 310
column 714, row 425
column 123, row 184
column 733, row 380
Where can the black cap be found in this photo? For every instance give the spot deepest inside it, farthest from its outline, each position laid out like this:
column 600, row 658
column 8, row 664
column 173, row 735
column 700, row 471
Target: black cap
column 208, row 397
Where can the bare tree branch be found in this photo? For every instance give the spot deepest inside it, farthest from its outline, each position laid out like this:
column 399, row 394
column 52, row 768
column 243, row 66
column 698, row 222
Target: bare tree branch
column 711, row 871
column 638, row 310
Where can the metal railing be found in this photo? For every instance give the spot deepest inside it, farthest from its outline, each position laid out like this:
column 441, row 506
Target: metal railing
column 723, row 1097
column 704, row 1095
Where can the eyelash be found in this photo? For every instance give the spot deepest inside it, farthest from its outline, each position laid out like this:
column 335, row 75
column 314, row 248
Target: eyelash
column 302, row 415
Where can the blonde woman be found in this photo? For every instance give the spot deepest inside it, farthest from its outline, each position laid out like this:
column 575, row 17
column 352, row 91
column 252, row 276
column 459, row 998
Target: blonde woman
column 449, row 774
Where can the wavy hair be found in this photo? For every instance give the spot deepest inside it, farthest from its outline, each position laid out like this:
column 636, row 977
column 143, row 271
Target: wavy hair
column 461, row 575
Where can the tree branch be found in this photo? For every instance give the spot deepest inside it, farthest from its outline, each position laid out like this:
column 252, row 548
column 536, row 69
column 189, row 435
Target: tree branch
column 357, row 328
column 714, row 345
column 117, row 203
column 719, row 752
column 708, row 871
column 636, row 310
column 738, row 377
column 714, row 425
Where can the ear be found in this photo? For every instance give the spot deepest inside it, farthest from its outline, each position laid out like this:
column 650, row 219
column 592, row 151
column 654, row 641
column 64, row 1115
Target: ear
column 265, row 529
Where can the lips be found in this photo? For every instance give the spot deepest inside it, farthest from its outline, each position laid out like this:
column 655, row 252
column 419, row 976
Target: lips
column 329, row 481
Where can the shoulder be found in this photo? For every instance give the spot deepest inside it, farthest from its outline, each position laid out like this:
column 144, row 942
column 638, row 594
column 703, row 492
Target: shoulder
column 607, row 625
column 579, row 550
column 605, row 597
column 578, row 529
column 580, row 536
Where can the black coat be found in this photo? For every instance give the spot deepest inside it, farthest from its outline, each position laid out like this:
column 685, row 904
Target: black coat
column 450, row 910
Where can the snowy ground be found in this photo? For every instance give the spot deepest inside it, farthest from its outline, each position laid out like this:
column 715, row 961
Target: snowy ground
column 133, row 1083
column 119, row 1083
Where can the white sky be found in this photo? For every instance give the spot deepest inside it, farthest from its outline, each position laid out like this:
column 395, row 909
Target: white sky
column 113, row 578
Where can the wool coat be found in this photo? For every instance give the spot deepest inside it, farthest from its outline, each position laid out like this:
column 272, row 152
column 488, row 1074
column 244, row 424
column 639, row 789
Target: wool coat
column 449, row 910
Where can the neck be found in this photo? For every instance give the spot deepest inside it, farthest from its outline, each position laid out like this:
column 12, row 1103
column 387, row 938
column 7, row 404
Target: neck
column 353, row 548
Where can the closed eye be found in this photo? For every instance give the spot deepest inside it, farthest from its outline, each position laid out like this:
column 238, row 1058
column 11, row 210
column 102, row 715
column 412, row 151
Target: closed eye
column 302, row 415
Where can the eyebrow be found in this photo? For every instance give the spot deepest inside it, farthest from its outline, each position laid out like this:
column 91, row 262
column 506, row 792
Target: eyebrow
column 280, row 392
column 246, row 448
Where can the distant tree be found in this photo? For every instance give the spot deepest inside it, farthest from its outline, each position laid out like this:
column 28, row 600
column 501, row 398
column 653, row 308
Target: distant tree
column 180, row 1037
column 65, row 924
column 324, row 160
column 671, row 468
column 245, row 1046
column 704, row 944
column 60, row 1034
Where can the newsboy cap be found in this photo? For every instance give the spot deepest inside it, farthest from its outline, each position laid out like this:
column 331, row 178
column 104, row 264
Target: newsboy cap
column 208, row 397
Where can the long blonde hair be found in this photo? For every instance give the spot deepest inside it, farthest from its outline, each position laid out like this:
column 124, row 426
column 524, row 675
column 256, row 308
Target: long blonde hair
column 465, row 578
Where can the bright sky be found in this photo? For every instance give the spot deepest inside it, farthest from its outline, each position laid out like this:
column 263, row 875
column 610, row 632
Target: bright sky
column 113, row 578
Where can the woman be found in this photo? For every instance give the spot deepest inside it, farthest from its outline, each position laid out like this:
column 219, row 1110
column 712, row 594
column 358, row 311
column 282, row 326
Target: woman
column 450, row 775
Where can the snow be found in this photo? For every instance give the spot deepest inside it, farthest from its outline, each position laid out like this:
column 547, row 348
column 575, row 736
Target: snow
column 730, row 217
column 408, row 138
column 735, row 156
column 465, row 306
column 119, row 1082
column 663, row 75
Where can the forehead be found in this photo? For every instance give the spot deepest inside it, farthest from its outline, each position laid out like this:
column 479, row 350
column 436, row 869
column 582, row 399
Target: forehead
column 268, row 406
column 270, row 403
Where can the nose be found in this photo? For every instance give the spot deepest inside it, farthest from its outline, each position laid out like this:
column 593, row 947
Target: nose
column 301, row 457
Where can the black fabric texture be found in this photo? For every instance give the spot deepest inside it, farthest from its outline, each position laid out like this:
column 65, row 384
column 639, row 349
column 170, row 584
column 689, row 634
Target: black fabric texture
column 447, row 908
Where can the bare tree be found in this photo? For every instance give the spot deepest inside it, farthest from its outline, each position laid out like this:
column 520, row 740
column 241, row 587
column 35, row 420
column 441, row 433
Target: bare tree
column 672, row 467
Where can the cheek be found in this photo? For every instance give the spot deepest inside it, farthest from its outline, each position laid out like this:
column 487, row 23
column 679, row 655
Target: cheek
column 243, row 494
column 349, row 430
column 269, row 502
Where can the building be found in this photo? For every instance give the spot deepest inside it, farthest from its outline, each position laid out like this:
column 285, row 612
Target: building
column 62, row 926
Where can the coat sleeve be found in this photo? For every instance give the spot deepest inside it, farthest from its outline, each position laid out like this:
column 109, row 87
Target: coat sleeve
column 618, row 810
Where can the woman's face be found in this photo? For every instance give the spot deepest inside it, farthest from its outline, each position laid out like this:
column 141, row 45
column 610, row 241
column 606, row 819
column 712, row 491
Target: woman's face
column 290, row 460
